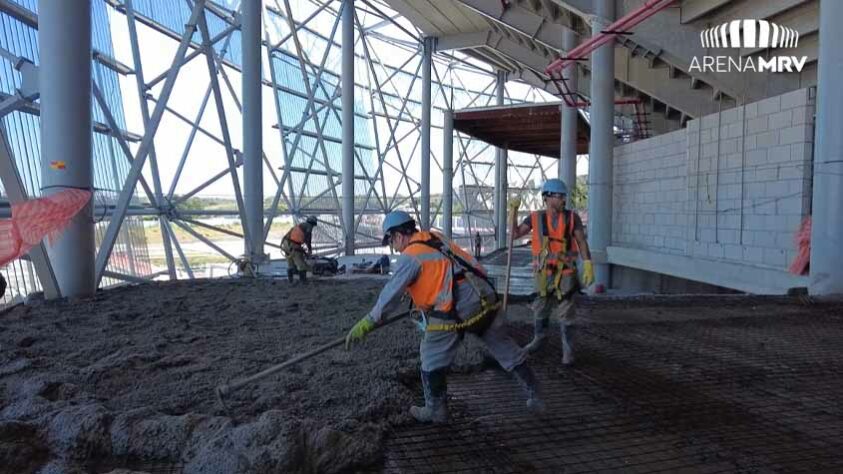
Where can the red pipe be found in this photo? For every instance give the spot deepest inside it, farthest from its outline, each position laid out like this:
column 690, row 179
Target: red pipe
column 629, row 21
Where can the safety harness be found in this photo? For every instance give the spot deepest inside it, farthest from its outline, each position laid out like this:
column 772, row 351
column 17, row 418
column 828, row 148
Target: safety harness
column 562, row 261
column 486, row 307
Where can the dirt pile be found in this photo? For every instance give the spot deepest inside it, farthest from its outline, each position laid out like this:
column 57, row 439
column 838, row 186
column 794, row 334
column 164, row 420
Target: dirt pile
column 130, row 374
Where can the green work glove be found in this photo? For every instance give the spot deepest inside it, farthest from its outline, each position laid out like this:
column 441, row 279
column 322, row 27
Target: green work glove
column 359, row 331
column 587, row 273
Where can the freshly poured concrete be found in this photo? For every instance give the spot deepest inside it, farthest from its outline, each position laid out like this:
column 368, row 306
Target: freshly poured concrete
column 131, row 374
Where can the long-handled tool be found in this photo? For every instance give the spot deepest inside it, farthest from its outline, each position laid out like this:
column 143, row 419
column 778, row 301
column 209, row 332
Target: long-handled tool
column 231, row 386
column 513, row 206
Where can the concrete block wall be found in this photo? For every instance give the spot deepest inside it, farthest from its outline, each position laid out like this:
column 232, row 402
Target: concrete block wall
column 650, row 191
column 733, row 186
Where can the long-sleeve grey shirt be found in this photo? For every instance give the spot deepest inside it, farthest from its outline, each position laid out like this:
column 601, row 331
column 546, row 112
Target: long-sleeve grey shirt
column 405, row 272
column 407, row 269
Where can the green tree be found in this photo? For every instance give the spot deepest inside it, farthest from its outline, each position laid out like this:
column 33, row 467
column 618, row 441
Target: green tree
column 579, row 195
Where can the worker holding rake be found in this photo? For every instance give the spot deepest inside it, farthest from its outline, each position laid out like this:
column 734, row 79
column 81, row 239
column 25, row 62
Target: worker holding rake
column 557, row 240
column 293, row 245
column 453, row 296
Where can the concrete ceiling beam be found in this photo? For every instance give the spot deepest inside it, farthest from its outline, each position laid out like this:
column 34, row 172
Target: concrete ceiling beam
column 757, row 10
column 657, row 83
column 695, row 9
column 805, row 20
column 522, row 20
column 461, row 41
column 681, row 42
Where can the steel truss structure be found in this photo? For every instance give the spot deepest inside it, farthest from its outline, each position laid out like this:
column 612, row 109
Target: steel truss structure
column 141, row 173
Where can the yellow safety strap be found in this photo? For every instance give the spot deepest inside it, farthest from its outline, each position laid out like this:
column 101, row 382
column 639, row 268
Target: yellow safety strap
column 487, row 308
column 541, row 274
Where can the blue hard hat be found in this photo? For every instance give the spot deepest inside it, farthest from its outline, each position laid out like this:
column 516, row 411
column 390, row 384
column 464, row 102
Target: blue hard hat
column 554, row 186
column 392, row 220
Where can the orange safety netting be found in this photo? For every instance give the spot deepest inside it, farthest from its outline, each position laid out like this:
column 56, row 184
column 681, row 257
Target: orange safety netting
column 803, row 245
column 35, row 219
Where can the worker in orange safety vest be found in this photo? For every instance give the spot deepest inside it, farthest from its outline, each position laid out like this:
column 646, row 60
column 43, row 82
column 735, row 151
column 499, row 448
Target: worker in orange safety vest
column 453, row 296
column 557, row 240
column 293, row 244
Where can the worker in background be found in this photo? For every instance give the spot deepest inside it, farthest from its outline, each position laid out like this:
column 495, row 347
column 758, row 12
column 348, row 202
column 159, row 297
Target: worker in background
column 478, row 245
column 453, row 296
column 293, row 245
column 557, row 240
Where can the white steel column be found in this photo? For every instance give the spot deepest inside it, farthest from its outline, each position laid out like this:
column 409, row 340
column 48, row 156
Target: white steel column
column 602, row 144
column 447, row 172
column 348, row 124
column 253, row 127
column 427, row 59
column 568, row 142
column 501, row 158
column 64, row 37
column 827, row 226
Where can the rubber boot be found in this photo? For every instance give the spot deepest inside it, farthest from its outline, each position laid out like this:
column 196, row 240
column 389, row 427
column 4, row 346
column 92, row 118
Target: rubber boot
column 567, row 331
column 435, row 409
column 303, row 276
column 290, row 274
column 538, row 335
column 527, row 379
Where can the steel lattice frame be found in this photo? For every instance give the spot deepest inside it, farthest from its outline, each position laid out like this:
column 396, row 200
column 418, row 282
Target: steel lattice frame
column 303, row 47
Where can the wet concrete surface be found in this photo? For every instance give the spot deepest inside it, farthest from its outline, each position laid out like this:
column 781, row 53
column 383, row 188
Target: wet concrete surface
column 125, row 383
column 90, row 385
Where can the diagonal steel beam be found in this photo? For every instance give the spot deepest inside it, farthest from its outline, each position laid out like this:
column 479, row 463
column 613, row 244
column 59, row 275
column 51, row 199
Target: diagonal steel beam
column 109, row 117
column 204, row 239
column 113, row 229
column 176, row 244
column 221, row 115
column 153, row 160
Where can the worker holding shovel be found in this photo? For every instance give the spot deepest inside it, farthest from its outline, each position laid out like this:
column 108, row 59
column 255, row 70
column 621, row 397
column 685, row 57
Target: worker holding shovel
column 454, row 296
column 557, row 240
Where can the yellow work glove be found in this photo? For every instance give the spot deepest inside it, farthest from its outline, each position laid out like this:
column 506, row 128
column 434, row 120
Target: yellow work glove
column 514, row 203
column 587, row 273
column 359, row 331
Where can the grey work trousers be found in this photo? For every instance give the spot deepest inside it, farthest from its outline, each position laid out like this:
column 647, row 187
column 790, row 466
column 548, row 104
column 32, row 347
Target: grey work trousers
column 547, row 306
column 438, row 348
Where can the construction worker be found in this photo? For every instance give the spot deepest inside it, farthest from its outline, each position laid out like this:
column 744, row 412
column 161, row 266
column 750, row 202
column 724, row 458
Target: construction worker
column 557, row 240
column 293, row 245
column 478, row 245
column 453, row 296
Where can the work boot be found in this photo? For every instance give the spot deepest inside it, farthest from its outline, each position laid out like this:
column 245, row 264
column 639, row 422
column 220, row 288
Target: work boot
column 567, row 331
column 527, row 379
column 290, row 274
column 303, row 276
column 435, row 409
column 538, row 335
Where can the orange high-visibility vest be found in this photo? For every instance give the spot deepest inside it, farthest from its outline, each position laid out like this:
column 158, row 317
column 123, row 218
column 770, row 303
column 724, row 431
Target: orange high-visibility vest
column 560, row 241
column 297, row 235
column 433, row 289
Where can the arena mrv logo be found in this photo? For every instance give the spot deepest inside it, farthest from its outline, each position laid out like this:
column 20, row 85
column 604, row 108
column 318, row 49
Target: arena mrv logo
column 748, row 34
